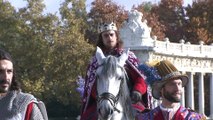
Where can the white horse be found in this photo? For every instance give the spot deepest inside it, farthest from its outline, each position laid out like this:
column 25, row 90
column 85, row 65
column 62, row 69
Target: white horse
column 114, row 101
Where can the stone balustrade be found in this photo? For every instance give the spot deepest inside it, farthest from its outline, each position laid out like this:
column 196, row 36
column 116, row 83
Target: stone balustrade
column 194, row 60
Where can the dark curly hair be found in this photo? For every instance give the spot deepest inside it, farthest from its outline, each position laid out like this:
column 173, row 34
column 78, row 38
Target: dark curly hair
column 6, row 56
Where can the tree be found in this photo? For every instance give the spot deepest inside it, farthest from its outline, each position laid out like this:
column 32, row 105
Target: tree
column 50, row 52
column 8, row 23
column 171, row 14
column 70, row 55
column 158, row 29
column 21, row 38
column 200, row 21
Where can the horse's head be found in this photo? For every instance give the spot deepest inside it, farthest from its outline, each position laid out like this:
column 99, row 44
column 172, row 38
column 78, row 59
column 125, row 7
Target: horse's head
column 110, row 77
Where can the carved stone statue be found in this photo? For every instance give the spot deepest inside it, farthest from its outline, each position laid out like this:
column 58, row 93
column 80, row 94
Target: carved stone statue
column 134, row 32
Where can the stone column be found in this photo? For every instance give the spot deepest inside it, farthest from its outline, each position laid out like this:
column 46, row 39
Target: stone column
column 190, row 91
column 183, row 93
column 183, row 98
column 201, row 93
column 211, row 95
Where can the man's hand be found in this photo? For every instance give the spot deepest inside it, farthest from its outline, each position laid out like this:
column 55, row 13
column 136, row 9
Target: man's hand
column 136, row 96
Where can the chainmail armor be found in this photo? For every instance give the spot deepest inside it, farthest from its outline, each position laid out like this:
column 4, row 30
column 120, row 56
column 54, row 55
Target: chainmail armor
column 14, row 105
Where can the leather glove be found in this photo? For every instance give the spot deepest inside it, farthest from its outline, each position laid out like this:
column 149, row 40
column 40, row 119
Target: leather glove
column 136, row 96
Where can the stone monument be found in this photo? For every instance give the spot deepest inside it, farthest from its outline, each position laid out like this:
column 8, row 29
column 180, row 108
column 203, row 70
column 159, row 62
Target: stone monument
column 134, row 31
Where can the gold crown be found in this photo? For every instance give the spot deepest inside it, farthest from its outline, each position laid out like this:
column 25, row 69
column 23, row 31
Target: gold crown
column 107, row 26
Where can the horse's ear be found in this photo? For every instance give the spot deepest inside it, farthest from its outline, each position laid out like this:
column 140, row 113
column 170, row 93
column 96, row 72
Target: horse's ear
column 124, row 57
column 99, row 55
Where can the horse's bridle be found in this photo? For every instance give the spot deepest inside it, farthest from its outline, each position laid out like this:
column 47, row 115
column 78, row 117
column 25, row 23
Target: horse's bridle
column 110, row 97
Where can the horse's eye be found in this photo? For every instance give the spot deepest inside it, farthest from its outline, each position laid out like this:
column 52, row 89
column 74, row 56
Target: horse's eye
column 120, row 78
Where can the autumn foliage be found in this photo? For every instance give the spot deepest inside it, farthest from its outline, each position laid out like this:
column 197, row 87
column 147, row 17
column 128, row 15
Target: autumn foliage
column 50, row 50
column 169, row 18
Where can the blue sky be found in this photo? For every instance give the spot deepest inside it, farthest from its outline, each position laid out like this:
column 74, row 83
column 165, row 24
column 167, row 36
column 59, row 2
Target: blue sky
column 52, row 6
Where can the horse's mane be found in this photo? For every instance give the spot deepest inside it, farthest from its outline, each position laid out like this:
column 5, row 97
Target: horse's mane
column 109, row 69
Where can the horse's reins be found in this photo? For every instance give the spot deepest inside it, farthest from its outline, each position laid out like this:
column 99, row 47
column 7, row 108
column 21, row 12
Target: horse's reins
column 110, row 97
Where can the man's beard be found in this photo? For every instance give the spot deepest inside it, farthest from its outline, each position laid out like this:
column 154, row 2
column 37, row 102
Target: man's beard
column 171, row 98
column 2, row 90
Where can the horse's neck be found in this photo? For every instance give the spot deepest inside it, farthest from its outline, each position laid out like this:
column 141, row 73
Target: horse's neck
column 125, row 103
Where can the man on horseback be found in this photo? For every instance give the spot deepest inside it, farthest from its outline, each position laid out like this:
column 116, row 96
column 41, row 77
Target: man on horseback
column 111, row 44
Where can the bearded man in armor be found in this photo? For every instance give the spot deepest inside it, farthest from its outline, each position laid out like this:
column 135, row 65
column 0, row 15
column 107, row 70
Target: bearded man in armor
column 14, row 104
